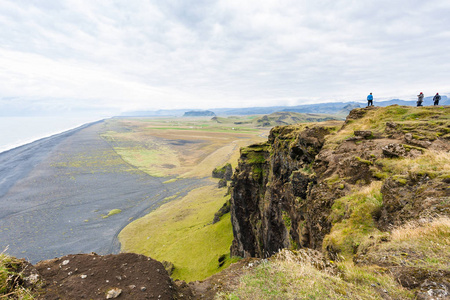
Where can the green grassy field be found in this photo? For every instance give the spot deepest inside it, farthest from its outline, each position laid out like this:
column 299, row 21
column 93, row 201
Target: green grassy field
column 181, row 231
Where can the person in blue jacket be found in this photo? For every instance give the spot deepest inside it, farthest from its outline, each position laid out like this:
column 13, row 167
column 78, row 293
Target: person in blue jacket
column 370, row 100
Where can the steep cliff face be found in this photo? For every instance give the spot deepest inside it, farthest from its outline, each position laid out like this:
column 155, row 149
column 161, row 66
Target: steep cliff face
column 270, row 188
column 285, row 191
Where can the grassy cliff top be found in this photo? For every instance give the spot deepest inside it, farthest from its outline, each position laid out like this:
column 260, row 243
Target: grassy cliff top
column 424, row 123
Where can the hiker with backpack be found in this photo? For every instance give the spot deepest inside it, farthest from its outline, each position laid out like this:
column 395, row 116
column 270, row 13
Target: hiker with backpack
column 420, row 99
column 436, row 99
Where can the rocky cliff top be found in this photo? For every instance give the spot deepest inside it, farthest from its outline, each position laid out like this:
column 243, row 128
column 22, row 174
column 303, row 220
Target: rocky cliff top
column 333, row 187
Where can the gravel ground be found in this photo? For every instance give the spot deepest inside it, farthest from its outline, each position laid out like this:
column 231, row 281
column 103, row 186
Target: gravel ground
column 55, row 195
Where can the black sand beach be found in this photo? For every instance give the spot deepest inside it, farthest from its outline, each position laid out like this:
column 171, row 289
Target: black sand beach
column 55, row 194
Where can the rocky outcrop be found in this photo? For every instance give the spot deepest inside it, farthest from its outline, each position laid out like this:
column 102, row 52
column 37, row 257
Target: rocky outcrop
column 270, row 190
column 283, row 190
column 412, row 198
column 224, row 172
column 222, row 211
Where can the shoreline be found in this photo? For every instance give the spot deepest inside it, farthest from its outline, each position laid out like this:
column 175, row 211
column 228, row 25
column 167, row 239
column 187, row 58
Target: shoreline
column 5, row 147
column 9, row 160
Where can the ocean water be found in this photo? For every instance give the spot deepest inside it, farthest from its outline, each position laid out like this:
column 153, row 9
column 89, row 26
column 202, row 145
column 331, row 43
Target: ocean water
column 17, row 131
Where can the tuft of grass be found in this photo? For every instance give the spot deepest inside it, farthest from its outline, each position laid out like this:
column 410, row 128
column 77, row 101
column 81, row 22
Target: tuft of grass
column 10, row 278
column 112, row 213
column 432, row 163
column 181, row 231
column 367, row 162
column 421, row 243
column 352, row 220
column 170, row 180
column 280, row 278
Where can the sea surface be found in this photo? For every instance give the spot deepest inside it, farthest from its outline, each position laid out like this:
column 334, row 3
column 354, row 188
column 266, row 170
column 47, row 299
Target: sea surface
column 18, row 131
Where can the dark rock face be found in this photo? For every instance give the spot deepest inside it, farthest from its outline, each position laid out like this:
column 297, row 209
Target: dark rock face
column 222, row 183
column 247, row 194
column 269, row 208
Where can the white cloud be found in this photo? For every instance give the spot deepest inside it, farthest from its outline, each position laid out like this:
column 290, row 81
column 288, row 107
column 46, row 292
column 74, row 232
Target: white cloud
column 151, row 54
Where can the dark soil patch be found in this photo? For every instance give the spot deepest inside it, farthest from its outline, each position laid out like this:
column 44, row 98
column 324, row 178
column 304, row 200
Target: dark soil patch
column 91, row 276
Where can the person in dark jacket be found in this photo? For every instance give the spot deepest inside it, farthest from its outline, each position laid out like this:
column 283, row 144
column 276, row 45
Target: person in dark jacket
column 436, row 99
column 370, row 100
column 420, row 99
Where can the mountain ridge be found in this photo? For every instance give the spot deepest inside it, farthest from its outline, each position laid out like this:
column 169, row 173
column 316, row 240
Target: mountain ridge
column 328, row 107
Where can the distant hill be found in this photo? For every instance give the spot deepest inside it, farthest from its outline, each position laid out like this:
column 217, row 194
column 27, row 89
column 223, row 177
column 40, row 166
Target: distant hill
column 199, row 113
column 288, row 118
column 339, row 108
column 155, row 113
column 426, row 101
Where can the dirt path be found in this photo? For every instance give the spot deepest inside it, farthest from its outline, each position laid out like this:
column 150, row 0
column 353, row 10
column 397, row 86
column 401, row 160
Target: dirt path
column 55, row 196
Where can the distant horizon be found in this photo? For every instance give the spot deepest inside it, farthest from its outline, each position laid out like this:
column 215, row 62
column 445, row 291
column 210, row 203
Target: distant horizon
column 98, row 112
column 25, row 129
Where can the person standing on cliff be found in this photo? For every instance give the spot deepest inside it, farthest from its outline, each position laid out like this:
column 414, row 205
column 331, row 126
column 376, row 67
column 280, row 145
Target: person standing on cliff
column 420, row 99
column 436, row 99
column 370, row 100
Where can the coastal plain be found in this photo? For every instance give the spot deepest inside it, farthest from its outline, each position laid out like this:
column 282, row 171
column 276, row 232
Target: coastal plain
column 74, row 192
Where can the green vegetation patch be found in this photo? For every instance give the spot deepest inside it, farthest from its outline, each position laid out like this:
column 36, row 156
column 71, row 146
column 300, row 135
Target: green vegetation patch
column 352, row 220
column 12, row 280
column 148, row 160
column 285, row 279
column 364, row 161
column 182, row 232
column 431, row 163
column 419, row 244
column 426, row 129
column 112, row 213
column 255, row 154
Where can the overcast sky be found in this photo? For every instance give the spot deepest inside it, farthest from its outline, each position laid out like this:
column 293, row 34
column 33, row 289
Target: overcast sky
column 136, row 54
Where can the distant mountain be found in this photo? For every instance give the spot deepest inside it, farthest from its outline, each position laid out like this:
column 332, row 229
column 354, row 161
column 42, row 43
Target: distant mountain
column 426, row 101
column 325, row 108
column 155, row 113
column 199, row 113
column 320, row 108
column 287, row 118
column 339, row 108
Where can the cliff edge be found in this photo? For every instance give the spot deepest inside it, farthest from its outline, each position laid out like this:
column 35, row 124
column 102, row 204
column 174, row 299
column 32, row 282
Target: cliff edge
column 342, row 188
